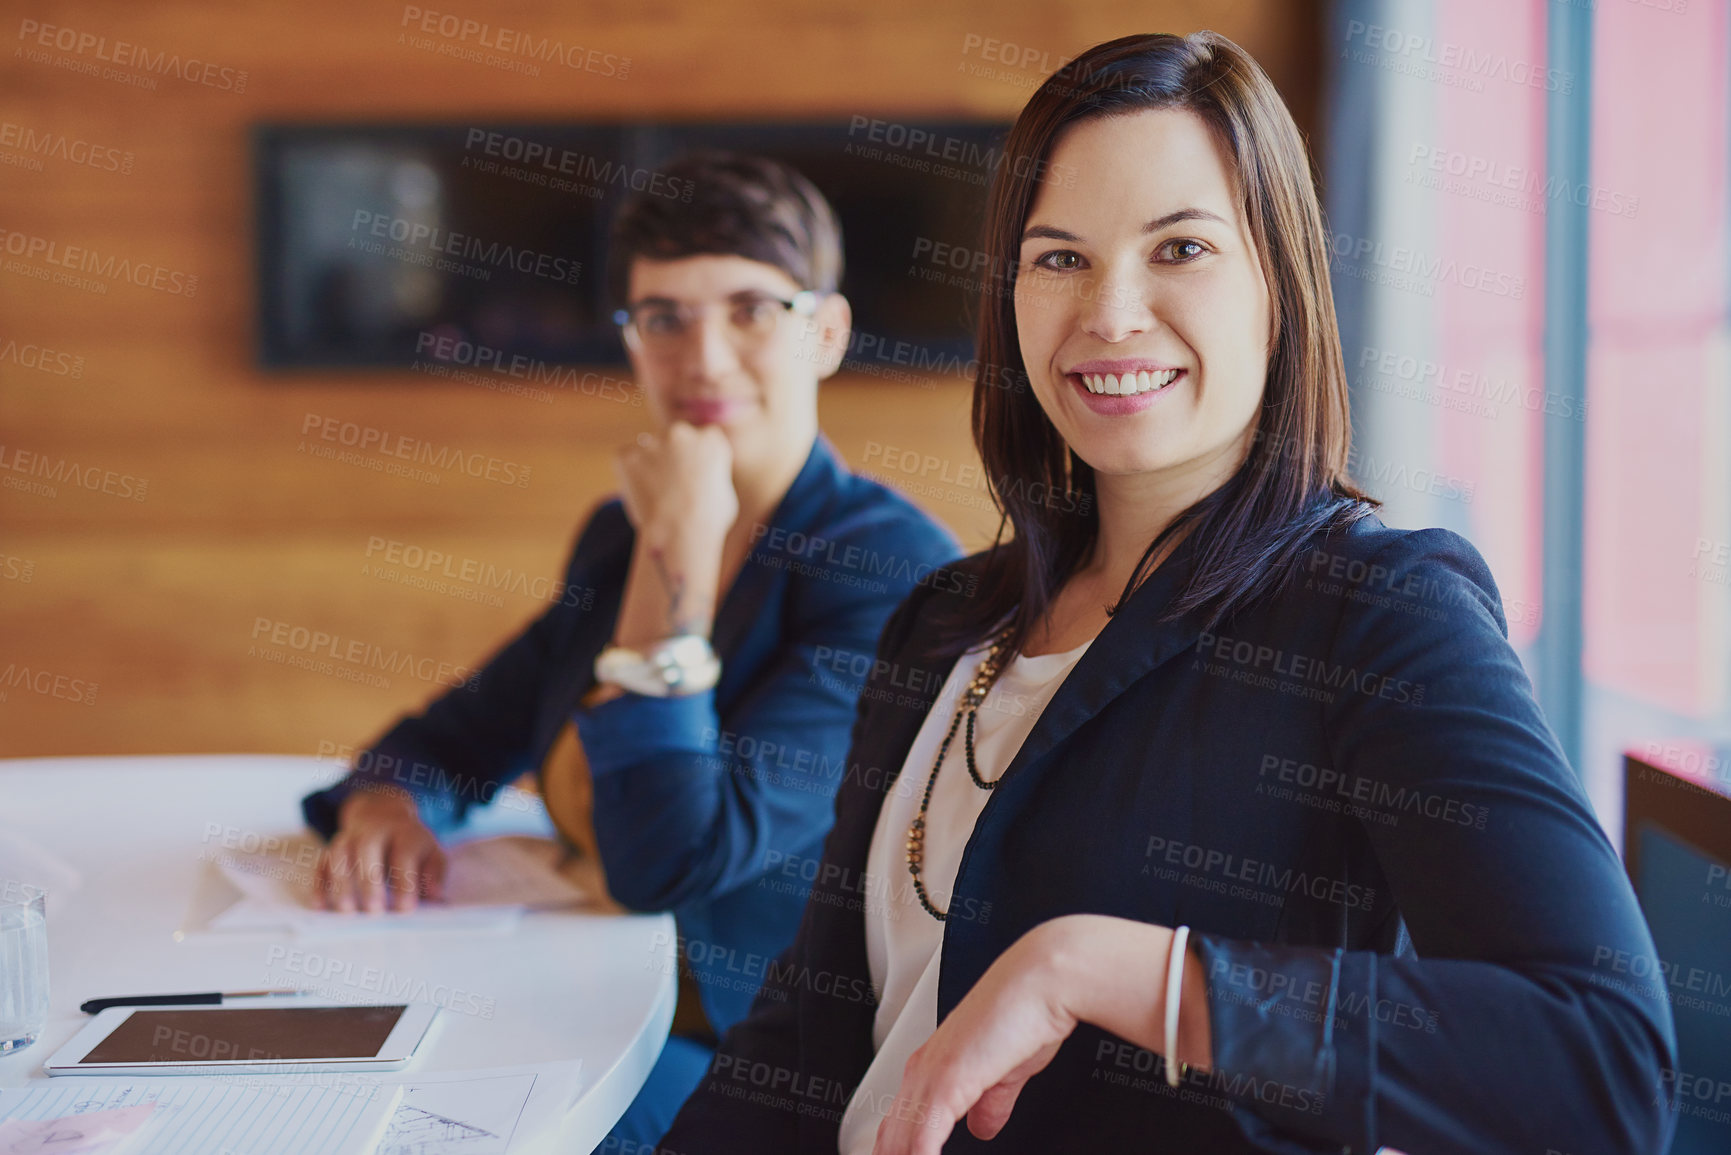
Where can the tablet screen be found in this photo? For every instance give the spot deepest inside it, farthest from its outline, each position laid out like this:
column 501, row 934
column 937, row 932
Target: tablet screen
column 176, row 1035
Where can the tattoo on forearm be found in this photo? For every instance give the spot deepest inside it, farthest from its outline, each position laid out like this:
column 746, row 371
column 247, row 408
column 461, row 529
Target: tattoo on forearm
column 681, row 619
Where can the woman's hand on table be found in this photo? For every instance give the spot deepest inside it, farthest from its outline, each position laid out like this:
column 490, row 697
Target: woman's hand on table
column 1109, row 972
column 381, row 850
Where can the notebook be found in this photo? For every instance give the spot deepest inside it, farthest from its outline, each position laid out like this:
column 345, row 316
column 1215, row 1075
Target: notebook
column 223, row 1114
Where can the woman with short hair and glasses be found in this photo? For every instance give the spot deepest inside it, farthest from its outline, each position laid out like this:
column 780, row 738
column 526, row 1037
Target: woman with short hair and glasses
column 1229, row 822
column 706, row 614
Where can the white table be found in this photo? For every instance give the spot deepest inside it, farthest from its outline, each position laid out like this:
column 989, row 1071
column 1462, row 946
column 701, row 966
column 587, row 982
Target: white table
column 563, row 985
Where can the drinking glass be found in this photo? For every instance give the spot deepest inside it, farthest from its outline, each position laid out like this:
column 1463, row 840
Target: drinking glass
column 23, row 966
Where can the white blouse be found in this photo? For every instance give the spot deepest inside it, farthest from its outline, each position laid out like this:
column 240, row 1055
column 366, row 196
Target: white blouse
column 904, row 944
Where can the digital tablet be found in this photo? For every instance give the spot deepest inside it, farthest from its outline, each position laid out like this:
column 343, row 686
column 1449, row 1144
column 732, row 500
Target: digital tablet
column 217, row 1039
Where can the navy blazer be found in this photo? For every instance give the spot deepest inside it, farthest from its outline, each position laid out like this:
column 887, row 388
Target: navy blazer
column 695, row 798
column 1405, row 908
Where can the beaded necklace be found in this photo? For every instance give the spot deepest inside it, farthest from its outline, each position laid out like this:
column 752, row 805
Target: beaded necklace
column 984, row 678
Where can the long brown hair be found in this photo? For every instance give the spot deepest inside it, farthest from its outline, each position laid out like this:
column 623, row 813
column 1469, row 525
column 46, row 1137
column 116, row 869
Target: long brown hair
column 1249, row 532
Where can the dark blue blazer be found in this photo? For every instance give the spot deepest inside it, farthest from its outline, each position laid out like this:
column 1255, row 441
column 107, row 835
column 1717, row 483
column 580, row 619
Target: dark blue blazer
column 701, row 802
column 1406, row 909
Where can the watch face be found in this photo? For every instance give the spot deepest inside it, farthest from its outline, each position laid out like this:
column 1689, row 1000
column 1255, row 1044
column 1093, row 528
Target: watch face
column 676, row 666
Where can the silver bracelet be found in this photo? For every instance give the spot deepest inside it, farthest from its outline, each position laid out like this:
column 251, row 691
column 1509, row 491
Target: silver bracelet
column 1174, row 996
column 673, row 668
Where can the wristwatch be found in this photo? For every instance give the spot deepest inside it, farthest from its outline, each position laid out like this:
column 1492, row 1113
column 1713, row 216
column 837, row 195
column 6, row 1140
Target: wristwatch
column 675, row 667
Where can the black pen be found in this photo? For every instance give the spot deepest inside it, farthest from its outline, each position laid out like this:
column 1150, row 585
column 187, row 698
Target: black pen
column 204, row 998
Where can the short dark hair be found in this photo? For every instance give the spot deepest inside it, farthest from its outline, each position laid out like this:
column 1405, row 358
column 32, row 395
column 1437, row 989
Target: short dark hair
column 729, row 205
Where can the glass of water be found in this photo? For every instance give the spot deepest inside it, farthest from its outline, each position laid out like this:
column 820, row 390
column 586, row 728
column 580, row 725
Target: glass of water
column 23, row 966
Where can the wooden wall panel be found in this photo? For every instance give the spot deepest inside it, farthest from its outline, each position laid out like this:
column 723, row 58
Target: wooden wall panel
column 148, row 607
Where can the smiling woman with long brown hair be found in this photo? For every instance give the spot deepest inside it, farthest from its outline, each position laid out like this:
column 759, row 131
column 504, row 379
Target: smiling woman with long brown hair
column 1234, row 825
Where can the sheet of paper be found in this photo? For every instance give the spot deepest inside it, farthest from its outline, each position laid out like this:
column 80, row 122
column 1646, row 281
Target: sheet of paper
column 510, row 869
column 92, row 1133
column 506, row 1111
column 225, row 1114
column 489, row 883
